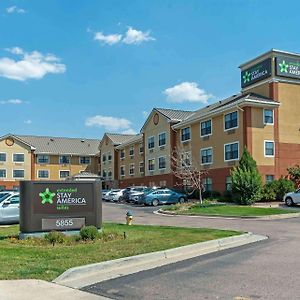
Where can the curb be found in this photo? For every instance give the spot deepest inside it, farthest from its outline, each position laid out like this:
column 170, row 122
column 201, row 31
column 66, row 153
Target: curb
column 264, row 218
column 79, row 277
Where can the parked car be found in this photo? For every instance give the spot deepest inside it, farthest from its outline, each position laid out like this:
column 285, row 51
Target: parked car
column 292, row 198
column 135, row 197
column 9, row 207
column 132, row 189
column 162, row 196
column 116, row 195
column 104, row 192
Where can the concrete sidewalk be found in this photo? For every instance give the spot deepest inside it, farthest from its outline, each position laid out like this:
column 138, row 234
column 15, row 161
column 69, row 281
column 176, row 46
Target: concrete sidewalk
column 32, row 289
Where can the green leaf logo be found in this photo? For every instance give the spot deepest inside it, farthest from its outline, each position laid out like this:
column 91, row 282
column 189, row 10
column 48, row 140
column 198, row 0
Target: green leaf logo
column 283, row 67
column 47, row 196
column 246, row 77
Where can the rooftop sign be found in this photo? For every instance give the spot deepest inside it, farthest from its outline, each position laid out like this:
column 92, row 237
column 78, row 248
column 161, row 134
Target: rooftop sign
column 287, row 67
column 256, row 73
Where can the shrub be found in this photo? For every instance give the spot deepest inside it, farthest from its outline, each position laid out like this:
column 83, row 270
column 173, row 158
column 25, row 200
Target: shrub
column 211, row 194
column 89, row 233
column 55, row 237
column 283, row 186
column 269, row 191
column 246, row 181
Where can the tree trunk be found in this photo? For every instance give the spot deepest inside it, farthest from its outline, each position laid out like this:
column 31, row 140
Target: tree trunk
column 200, row 196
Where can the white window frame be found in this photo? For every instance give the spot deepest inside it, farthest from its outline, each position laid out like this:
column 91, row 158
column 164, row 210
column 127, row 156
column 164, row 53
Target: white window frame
column 165, row 139
column 63, row 171
column 141, row 162
column 153, row 164
column 131, row 148
column 212, row 156
column 43, row 163
column 165, row 157
column 122, row 175
column 83, row 163
column 5, row 172
column 210, row 127
column 37, row 173
column 122, row 157
column 235, row 159
column 131, row 174
column 141, row 144
column 264, row 116
column 65, row 163
column 269, row 141
column 183, row 156
column 190, row 134
column 18, row 162
column 238, row 120
column 148, row 142
column 17, row 170
column 2, row 161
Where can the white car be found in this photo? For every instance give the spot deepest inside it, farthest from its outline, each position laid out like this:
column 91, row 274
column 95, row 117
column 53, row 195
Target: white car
column 116, row 195
column 9, row 207
column 292, row 198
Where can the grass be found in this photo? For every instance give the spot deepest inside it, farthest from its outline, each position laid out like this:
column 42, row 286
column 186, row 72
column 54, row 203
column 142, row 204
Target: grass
column 35, row 258
column 226, row 210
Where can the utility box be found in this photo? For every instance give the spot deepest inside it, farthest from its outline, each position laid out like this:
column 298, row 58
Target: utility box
column 59, row 205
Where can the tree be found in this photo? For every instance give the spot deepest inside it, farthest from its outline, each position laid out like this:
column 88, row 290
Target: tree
column 187, row 170
column 246, row 180
column 294, row 175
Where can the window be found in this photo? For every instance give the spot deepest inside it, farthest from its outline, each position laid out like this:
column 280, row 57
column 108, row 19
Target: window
column 18, row 157
column 185, row 134
column 43, row 174
column 85, row 160
column 122, row 154
column 231, row 151
column 186, row 159
column 142, row 167
column 206, row 156
column 141, row 148
column 207, row 183
column 269, row 178
column 18, row 173
column 151, row 164
column 104, row 157
column 231, row 120
column 109, row 174
column 14, row 200
column 2, row 156
column 151, row 142
column 64, row 174
column 109, row 157
column 269, row 148
column 64, row 159
column 43, row 159
column 131, row 169
column 2, row 173
column 205, row 128
column 104, row 173
column 131, row 151
column 122, row 170
column 162, row 162
column 162, row 139
column 268, row 116
column 228, row 183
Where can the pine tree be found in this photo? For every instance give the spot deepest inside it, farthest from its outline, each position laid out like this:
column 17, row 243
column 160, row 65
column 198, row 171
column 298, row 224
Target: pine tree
column 246, row 180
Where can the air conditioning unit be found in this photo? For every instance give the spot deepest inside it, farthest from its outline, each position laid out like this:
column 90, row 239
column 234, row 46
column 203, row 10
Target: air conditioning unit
column 162, row 147
column 151, row 150
column 231, row 131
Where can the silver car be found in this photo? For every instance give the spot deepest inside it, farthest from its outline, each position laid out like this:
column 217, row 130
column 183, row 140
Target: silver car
column 9, row 207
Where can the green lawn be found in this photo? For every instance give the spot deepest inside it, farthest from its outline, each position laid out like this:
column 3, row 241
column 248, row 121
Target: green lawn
column 227, row 210
column 38, row 259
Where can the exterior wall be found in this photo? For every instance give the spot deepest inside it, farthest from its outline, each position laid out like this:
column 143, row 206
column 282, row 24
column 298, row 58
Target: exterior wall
column 9, row 182
column 128, row 160
column 54, row 167
column 151, row 129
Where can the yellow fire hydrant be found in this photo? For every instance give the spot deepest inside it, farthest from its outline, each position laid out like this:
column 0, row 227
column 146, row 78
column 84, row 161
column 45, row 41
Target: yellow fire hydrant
column 129, row 217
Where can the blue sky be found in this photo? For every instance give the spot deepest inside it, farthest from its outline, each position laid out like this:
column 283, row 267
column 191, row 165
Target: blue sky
column 80, row 68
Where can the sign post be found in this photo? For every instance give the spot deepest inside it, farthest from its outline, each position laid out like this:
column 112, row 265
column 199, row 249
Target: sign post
column 59, row 205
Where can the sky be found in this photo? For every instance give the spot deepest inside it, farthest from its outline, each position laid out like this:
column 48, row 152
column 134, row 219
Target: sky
column 82, row 68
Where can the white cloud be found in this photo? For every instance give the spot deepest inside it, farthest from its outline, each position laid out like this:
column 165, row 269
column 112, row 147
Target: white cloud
column 28, row 122
column 109, row 123
column 129, row 131
column 109, row 39
column 136, row 37
column 145, row 114
column 31, row 65
column 12, row 101
column 187, row 92
column 15, row 9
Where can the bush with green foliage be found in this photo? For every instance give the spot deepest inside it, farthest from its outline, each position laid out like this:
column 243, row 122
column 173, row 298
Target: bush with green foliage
column 211, row 195
column 89, row 233
column 276, row 189
column 55, row 237
column 246, row 180
column 294, row 175
column 269, row 191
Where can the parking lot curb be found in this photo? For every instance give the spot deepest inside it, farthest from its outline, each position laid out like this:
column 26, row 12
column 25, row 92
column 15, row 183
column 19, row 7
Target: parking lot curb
column 82, row 276
column 266, row 218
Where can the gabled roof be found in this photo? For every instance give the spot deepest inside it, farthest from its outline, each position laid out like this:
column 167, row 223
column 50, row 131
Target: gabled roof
column 59, row 145
column 173, row 115
column 118, row 139
column 135, row 139
column 250, row 99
